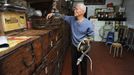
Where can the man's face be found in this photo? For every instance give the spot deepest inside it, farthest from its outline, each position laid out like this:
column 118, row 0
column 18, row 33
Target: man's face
column 78, row 11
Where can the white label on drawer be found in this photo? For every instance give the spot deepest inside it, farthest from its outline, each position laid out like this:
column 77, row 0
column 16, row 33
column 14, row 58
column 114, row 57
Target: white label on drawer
column 58, row 64
column 46, row 70
column 57, row 52
column 56, row 38
column 51, row 43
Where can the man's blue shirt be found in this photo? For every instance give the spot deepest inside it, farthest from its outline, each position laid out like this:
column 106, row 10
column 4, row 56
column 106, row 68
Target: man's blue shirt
column 79, row 30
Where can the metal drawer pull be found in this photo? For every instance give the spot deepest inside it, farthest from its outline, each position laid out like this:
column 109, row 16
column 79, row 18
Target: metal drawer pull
column 28, row 64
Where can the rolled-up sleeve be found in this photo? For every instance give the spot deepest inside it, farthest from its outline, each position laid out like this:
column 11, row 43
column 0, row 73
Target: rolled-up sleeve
column 90, row 30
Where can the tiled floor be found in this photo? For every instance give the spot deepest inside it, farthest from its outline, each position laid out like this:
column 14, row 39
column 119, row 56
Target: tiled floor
column 103, row 62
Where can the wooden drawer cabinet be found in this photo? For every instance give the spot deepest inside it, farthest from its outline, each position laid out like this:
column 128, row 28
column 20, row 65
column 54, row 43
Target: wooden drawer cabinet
column 45, row 39
column 41, row 56
column 20, row 62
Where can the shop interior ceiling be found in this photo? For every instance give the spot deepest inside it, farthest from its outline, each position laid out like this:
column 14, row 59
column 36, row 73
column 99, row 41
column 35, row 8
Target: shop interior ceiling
column 40, row 4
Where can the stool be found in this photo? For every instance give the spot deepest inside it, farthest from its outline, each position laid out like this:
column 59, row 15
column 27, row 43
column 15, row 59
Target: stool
column 117, row 48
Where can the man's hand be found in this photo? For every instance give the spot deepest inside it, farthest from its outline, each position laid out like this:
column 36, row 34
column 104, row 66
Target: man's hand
column 49, row 15
column 87, row 41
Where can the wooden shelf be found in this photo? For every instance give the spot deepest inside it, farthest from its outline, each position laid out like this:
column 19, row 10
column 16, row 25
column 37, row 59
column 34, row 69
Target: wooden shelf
column 112, row 19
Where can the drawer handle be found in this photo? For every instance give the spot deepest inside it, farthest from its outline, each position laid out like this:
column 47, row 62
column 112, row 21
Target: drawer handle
column 29, row 64
column 50, row 34
column 51, row 43
column 56, row 38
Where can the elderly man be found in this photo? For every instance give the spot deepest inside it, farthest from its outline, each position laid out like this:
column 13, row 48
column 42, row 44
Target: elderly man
column 80, row 28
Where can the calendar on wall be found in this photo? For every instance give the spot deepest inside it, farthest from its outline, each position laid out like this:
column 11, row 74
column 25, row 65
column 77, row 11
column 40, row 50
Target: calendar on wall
column 94, row 2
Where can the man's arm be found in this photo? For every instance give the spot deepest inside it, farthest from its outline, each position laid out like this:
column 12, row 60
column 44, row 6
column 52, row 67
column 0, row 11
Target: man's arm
column 90, row 33
column 54, row 14
column 66, row 18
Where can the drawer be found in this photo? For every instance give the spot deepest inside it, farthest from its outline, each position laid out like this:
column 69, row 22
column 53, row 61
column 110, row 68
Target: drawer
column 38, row 51
column 40, row 70
column 60, row 46
column 47, row 42
column 46, row 38
column 56, row 33
column 42, row 73
column 58, row 69
column 60, row 34
column 45, row 69
column 51, row 56
column 21, row 62
column 50, row 69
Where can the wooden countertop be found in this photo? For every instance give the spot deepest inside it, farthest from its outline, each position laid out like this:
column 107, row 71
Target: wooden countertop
column 32, row 32
column 15, row 42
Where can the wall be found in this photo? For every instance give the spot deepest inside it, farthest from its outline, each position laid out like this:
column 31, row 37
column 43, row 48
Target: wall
column 91, row 8
column 128, row 4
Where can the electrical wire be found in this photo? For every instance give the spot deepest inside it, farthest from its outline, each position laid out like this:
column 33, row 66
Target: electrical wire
column 84, row 53
column 91, row 63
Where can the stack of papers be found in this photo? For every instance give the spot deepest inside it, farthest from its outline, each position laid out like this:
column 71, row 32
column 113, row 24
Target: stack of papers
column 3, row 41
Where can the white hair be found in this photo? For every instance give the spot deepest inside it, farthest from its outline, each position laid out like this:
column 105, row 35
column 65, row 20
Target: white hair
column 81, row 6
